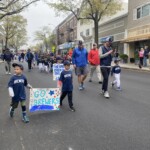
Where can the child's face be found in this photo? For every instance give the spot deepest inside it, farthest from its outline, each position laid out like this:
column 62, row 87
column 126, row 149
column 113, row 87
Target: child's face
column 17, row 70
column 59, row 61
column 67, row 67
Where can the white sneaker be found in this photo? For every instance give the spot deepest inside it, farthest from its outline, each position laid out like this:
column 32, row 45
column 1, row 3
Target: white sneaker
column 9, row 73
column 106, row 94
column 6, row 73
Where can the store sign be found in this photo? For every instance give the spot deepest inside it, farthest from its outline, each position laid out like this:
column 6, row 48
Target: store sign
column 143, row 30
column 102, row 40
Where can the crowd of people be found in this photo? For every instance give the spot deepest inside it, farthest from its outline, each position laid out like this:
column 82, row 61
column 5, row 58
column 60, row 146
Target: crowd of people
column 84, row 63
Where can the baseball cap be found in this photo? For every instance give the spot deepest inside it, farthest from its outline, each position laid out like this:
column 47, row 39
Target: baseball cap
column 116, row 60
column 17, row 65
column 109, row 39
column 58, row 58
column 80, row 43
column 66, row 63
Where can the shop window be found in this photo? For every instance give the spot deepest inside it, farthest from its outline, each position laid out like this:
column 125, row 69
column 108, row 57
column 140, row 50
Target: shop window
column 138, row 13
column 142, row 11
column 146, row 10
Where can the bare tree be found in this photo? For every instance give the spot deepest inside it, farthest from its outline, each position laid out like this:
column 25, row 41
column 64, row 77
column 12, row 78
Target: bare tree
column 11, row 7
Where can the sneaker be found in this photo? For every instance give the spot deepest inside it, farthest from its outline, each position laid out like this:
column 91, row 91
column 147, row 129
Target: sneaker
column 25, row 119
column 100, row 82
column 112, row 84
column 6, row 73
column 11, row 112
column 106, row 94
column 118, row 89
column 9, row 73
column 72, row 109
column 82, row 84
column 102, row 92
column 80, row 87
column 90, row 80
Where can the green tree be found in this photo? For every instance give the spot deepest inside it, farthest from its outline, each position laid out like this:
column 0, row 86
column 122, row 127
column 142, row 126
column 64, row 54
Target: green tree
column 89, row 9
column 43, row 36
column 11, row 7
column 12, row 28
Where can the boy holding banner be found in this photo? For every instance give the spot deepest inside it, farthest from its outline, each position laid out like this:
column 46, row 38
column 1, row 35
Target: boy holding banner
column 66, row 82
column 16, row 87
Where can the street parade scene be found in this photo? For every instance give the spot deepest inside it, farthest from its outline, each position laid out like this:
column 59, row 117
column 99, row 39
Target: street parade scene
column 74, row 75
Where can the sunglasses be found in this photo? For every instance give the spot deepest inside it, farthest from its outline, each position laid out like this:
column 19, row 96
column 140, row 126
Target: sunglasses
column 94, row 45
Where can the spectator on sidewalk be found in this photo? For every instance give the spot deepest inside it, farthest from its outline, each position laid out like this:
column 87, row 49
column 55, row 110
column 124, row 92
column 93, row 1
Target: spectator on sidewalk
column 8, row 57
column 94, row 61
column 106, row 59
column 29, row 57
column 146, row 52
column 141, row 56
column 80, row 61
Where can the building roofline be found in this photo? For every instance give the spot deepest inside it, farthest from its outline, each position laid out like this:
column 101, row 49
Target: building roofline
column 114, row 19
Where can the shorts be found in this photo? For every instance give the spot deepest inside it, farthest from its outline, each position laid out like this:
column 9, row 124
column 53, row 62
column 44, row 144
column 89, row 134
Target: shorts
column 81, row 71
column 14, row 104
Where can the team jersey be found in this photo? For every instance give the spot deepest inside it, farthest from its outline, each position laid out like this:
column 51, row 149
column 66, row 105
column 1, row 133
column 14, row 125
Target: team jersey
column 18, row 84
column 116, row 70
column 66, row 78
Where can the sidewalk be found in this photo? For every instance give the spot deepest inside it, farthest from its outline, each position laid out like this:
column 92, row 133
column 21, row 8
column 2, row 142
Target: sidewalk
column 134, row 67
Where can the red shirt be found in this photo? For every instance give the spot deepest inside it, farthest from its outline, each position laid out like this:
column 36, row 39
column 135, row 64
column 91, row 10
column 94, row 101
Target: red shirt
column 93, row 57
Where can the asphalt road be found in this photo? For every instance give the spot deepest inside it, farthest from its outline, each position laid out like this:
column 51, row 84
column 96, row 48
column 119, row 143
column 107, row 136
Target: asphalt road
column 120, row 123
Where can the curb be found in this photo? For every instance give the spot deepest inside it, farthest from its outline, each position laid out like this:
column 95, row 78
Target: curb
column 136, row 69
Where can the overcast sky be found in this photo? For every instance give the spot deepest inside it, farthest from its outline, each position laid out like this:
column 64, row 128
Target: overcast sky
column 40, row 15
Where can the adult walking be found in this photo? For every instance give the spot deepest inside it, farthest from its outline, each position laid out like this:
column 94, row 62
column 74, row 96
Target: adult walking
column 94, row 60
column 80, row 61
column 146, row 52
column 22, row 56
column 8, row 57
column 141, row 56
column 29, row 57
column 106, row 59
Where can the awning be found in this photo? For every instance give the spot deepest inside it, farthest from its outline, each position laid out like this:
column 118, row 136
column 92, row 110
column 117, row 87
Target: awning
column 136, row 38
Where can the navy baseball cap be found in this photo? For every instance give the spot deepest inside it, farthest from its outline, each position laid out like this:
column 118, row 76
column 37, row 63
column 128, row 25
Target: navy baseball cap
column 58, row 58
column 80, row 43
column 17, row 65
column 66, row 63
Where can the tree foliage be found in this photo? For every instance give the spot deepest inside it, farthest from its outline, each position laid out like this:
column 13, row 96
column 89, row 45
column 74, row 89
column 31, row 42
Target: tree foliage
column 88, row 9
column 43, row 36
column 13, row 31
column 11, row 7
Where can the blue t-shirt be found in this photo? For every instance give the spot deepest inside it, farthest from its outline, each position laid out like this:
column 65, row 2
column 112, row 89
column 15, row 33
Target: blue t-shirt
column 66, row 79
column 116, row 70
column 18, row 84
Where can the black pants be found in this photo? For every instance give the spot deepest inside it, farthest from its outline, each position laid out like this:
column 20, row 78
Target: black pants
column 105, row 73
column 63, row 95
column 29, row 64
column 141, row 61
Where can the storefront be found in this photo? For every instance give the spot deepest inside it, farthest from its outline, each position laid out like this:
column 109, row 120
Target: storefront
column 138, row 38
column 64, row 48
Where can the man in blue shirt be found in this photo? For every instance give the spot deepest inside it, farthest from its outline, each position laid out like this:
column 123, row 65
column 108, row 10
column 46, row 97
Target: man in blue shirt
column 80, row 61
column 66, row 82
